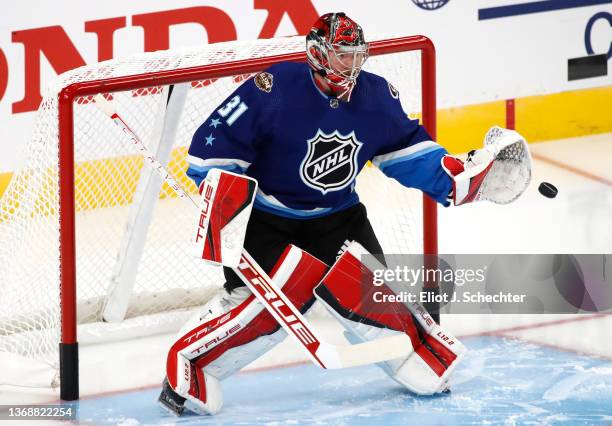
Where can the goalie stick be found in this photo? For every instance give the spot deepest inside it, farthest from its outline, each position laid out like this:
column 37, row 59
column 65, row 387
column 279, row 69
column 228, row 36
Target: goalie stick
column 322, row 353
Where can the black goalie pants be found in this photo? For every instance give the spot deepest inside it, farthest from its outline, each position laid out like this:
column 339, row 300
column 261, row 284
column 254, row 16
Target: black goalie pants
column 325, row 238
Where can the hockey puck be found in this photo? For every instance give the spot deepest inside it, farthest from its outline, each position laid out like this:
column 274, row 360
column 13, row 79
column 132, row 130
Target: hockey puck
column 548, row 190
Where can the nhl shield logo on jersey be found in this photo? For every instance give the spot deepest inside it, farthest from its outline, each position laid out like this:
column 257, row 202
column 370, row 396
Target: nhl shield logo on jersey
column 264, row 81
column 331, row 161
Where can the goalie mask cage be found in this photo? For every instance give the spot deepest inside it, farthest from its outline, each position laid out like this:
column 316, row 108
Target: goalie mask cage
column 88, row 234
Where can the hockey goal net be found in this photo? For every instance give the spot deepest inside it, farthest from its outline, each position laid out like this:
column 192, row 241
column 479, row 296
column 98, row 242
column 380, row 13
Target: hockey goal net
column 88, row 233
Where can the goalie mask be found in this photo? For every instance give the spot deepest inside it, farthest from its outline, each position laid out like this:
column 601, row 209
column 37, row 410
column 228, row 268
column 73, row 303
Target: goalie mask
column 336, row 49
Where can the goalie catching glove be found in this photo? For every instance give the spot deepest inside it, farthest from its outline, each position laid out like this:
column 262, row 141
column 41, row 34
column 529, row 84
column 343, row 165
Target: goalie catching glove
column 499, row 172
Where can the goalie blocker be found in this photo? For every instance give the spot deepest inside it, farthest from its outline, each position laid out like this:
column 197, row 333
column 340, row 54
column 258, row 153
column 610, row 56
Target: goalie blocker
column 221, row 225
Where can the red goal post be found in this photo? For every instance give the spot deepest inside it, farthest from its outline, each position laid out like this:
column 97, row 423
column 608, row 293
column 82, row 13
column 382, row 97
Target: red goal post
column 67, row 96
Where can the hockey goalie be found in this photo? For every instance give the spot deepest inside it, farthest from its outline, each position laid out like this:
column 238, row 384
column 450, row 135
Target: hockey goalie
column 293, row 139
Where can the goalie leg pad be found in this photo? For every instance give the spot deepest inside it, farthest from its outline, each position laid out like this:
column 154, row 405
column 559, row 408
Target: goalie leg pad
column 233, row 330
column 345, row 292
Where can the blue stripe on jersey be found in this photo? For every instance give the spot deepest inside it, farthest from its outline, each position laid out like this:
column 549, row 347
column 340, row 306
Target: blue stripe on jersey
column 409, row 157
column 198, row 173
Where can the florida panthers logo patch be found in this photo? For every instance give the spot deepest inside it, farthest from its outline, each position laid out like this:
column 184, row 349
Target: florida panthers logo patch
column 264, row 81
column 331, row 161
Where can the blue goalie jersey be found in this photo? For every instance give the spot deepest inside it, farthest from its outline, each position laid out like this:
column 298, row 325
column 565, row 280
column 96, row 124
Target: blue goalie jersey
column 306, row 149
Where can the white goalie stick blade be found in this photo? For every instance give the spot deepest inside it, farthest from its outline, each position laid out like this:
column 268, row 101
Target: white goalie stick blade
column 221, row 226
column 324, row 354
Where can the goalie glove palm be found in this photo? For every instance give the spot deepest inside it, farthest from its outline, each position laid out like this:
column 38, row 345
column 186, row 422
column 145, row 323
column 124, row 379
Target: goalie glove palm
column 499, row 172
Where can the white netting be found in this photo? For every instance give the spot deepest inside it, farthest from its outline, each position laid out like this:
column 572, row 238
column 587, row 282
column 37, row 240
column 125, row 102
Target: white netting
column 107, row 173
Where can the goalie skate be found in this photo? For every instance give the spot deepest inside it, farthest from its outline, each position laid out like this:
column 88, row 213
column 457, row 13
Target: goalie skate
column 170, row 400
